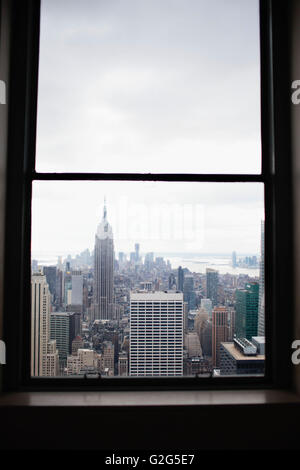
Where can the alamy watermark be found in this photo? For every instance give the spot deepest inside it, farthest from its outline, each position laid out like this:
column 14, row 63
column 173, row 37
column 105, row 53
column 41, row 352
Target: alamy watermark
column 2, row 352
column 296, row 94
column 296, row 354
column 165, row 222
column 2, row 92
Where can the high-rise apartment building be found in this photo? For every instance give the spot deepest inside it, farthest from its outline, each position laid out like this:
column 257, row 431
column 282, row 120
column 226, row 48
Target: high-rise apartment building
column 261, row 299
column 44, row 358
column 212, row 282
column 156, row 334
column 246, row 317
column 104, row 271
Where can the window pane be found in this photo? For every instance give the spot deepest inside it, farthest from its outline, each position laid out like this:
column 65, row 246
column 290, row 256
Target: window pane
column 155, row 281
column 149, row 86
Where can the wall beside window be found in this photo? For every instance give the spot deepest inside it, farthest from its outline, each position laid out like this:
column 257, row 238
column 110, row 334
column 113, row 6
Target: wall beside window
column 295, row 127
column 4, row 76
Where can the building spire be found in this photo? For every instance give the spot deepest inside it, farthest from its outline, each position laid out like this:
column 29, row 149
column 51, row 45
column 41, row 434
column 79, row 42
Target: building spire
column 104, row 209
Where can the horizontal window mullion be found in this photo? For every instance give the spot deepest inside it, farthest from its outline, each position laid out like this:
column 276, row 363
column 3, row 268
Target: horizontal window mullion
column 218, row 178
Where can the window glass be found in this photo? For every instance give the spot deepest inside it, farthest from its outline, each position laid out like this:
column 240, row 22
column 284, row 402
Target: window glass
column 156, row 86
column 157, row 277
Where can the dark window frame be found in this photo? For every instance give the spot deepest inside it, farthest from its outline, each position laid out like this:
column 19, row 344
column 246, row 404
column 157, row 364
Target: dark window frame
column 276, row 176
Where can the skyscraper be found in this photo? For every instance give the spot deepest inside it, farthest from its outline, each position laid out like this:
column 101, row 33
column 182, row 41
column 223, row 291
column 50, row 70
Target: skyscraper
column 60, row 332
column 44, row 356
column 212, row 281
column 180, row 279
column 50, row 273
column 137, row 252
column 189, row 294
column 220, row 332
column 77, row 288
column 156, row 334
column 247, row 311
column 261, row 299
column 104, row 271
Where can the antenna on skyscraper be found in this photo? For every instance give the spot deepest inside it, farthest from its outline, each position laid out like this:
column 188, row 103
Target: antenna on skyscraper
column 104, row 209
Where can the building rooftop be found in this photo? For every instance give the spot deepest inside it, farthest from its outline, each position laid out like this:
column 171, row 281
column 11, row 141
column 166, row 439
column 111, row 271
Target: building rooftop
column 156, row 296
column 259, row 339
column 239, row 356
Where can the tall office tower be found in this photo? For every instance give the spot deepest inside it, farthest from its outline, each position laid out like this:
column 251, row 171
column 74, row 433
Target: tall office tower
column 34, row 266
column 50, row 273
column 207, row 304
column 60, row 331
column 189, row 294
column 172, row 281
column 246, row 307
column 149, row 259
column 67, row 288
column 261, row 299
column 180, row 279
column 137, row 251
column 121, row 257
column 206, row 338
column 220, row 332
column 234, row 259
column 59, row 289
column 185, row 317
column 212, row 281
column 77, row 288
column 156, row 334
column 43, row 354
column 231, row 323
column 200, row 320
column 104, row 271
column 74, row 327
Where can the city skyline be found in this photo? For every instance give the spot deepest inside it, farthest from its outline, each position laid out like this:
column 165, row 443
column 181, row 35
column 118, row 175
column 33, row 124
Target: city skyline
column 137, row 317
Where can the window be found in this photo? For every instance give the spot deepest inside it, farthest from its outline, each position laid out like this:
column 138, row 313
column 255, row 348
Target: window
column 147, row 103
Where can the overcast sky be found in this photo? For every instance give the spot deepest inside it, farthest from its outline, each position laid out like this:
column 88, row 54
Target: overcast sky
column 149, row 86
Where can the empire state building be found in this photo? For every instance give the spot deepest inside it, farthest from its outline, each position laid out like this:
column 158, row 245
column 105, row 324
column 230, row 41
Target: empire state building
column 104, row 271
